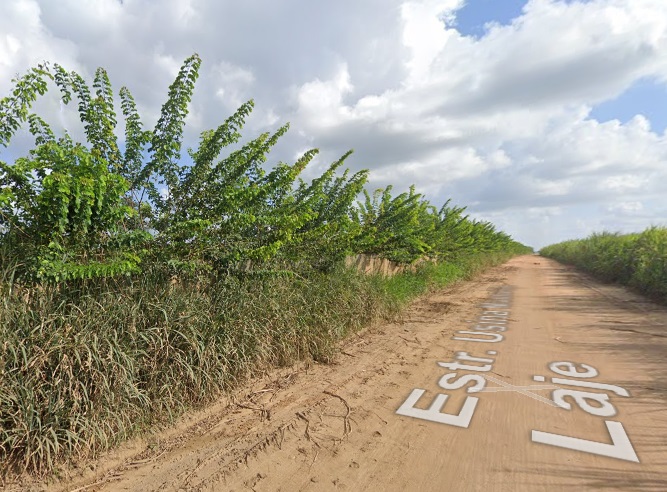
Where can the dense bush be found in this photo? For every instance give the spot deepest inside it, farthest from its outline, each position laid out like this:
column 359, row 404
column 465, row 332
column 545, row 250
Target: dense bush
column 71, row 211
column 638, row 260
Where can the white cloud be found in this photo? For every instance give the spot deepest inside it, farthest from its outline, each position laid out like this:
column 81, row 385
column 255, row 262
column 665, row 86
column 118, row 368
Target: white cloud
column 25, row 42
column 424, row 35
column 626, row 208
column 168, row 63
column 500, row 123
column 234, row 83
column 321, row 102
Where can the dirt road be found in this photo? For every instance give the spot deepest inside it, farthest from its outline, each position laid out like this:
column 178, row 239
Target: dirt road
column 532, row 377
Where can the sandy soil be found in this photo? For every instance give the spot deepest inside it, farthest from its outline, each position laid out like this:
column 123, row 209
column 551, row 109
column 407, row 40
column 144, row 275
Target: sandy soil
column 336, row 427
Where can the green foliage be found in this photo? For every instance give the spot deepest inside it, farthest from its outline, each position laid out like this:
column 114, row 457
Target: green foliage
column 61, row 211
column 64, row 208
column 15, row 109
column 135, row 286
column 168, row 134
column 233, row 210
column 330, row 234
column 213, row 215
column 650, row 267
column 82, row 369
column 638, row 260
column 407, row 227
column 395, row 228
column 80, row 211
column 85, row 367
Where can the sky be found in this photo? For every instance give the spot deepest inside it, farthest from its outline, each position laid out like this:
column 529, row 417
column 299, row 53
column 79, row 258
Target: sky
column 545, row 117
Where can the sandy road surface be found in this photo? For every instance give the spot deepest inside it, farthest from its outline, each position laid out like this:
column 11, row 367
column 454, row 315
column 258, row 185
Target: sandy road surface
column 336, row 427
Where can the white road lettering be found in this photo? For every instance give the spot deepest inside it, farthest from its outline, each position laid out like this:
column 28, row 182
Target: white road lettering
column 495, row 337
column 472, row 383
column 620, row 447
column 434, row 413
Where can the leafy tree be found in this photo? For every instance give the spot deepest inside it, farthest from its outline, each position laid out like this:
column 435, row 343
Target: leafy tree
column 395, row 228
column 213, row 214
column 62, row 207
column 330, row 233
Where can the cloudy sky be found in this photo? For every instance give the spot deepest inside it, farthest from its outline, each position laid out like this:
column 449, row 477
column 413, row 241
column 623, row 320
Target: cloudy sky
column 545, row 117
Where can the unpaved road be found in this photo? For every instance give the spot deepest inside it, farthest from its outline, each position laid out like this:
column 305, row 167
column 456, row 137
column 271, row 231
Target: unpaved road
column 336, row 427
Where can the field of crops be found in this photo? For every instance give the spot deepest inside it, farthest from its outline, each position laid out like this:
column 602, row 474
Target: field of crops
column 638, row 260
column 135, row 286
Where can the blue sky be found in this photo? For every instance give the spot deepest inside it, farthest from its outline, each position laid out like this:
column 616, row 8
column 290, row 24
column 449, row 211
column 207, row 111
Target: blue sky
column 647, row 97
column 516, row 123
column 470, row 20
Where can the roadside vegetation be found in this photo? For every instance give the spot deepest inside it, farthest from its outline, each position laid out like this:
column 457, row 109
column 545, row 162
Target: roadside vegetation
column 638, row 260
column 135, row 286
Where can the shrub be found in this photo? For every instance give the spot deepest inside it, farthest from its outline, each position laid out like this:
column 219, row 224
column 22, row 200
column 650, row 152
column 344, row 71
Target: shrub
column 638, row 260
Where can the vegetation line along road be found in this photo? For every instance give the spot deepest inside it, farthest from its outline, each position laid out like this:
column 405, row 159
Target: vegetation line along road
column 638, row 260
column 137, row 283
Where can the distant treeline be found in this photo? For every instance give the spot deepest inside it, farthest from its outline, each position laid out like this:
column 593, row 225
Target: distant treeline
column 638, row 260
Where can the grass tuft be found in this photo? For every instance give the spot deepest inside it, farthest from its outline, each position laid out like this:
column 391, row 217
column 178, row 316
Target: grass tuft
column 86, row 365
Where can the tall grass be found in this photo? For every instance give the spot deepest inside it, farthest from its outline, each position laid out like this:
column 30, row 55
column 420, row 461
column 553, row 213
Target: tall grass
column 638, row 260
column 87, row 364
column 401, row 289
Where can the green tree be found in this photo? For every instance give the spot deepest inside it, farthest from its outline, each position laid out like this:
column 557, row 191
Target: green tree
column 396, row 228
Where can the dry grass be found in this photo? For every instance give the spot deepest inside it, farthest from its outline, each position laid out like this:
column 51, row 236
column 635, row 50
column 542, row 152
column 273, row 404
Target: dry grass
column 85, row 365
